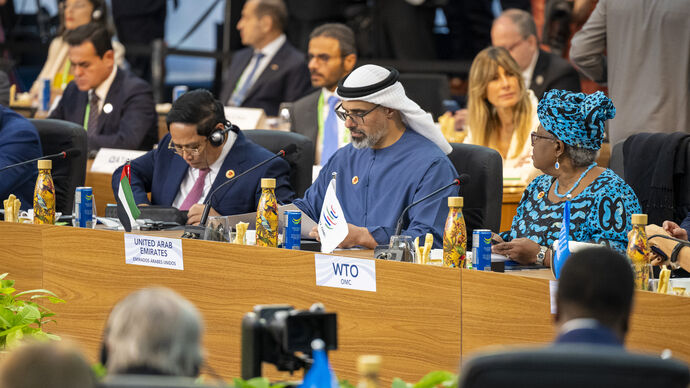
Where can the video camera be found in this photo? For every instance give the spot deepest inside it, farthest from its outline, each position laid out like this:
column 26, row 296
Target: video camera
column 276, row 333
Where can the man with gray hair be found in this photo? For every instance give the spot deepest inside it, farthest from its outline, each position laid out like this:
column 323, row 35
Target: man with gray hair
column 396, row 156
column 153, row 331
column 332, row 56
column 515, row 31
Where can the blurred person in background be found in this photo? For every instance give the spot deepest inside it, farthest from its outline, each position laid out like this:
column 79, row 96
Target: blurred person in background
column 58, row 68
column 46, row 365
column 153, row 331
column 541, row 71
column 332, row 56
column 270, row 70
column 501, row 111
column 115, row 107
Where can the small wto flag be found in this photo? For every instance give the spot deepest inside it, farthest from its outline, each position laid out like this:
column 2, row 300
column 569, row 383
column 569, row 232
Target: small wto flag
column 127, row 210
column 332, row 224
column 563, row 249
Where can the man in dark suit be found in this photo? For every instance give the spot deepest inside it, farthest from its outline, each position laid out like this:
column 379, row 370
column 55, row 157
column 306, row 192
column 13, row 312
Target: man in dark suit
column 19, row 141
column 270, row 70
column 115, row 107
column 332, row 56
column 515, row 31
column 594, row 298
column 201, row 152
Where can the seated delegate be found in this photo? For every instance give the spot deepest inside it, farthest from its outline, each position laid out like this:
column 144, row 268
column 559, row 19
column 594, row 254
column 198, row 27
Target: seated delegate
column 201, row 152
column 564, row 148
column 501, row 111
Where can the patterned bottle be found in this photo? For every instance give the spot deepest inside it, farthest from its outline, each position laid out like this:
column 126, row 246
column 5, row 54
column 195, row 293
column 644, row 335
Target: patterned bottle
column 454, row 235
column 44, row 194
column 638, row 251
column 267, row 215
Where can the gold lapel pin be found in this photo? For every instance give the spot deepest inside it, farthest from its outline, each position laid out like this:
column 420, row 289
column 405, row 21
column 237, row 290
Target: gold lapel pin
column 274, row 66
column 355, row 180
column 229, row 174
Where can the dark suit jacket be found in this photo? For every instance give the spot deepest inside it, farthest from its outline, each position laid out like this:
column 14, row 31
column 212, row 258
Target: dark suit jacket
column 132, row 123
column 19, row 141
column 285, row 79
column 597, row 336
column 553, row 72
column 304, row 117
column 161, row 171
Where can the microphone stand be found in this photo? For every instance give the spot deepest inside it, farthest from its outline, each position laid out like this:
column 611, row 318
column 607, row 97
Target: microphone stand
column 63, row 154
column 197, row 231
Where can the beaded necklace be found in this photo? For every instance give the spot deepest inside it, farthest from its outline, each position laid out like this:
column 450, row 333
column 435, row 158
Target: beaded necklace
column 567, row 194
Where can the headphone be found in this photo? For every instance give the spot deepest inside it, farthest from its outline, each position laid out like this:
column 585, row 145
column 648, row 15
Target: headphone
column 97, row 13
column 217, row 135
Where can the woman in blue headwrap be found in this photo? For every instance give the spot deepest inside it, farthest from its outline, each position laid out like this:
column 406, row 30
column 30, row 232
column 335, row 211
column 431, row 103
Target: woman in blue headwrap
column 565, row 146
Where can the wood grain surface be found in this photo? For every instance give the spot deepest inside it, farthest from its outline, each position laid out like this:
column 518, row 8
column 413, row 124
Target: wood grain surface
column 421, row 318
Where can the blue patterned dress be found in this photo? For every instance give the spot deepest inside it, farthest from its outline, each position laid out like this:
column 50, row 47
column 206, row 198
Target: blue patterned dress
column 600, row 214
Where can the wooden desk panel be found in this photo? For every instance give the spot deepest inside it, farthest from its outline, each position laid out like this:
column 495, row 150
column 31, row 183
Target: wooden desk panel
column 413, row 308
column 421, row 318
column 502, row 309
column 21, row 255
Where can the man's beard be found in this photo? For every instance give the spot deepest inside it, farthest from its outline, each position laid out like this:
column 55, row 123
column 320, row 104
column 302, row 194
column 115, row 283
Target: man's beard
column 368, row 141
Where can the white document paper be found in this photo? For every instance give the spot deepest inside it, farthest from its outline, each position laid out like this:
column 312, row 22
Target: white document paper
column 152, row 251
column 553, row 289
column 109, row 159
column 245, row 118
column 250, row 218
column 345, row 272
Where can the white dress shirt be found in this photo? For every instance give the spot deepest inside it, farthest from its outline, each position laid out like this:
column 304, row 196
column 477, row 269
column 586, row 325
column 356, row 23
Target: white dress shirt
column 193, row 173
column 102, row 89
column 529, row 71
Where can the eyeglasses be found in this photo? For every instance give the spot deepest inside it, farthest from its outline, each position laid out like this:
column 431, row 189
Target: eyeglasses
column 534, row 136
column 322, row 58
column 357, row 118
column 514, row 45
column 193, row 150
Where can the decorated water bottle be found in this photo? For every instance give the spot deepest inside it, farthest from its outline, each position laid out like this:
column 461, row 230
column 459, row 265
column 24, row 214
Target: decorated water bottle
column 454, row 235
column 638, row 251
column 369, row 367
column 44, row 194
column 267, row 215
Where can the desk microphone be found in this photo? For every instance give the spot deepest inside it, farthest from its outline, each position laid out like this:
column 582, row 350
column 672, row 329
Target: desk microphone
column 70, row 153
column 462, row 180
column 207, row 204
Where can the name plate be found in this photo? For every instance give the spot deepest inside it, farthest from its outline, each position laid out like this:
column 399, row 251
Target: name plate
column 345, row 272
column 152, row 251
column 245, row 118
column 109, row 159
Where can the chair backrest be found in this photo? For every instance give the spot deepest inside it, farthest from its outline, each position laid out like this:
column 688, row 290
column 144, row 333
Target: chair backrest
column 301, row 161
column 567, row 366
column 483, row 196
column 616, row 160
column 68, row 174
column 427, row 90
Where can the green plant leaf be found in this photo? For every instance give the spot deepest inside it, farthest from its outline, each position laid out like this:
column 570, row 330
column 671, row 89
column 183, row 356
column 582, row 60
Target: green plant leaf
column 432, row 379
column 41, row 290
column 399, row 383
column 27, row 314
column 259, row 382
column 53, row 337
column 4, row 275
column 345, row 384
column 7, row 290
column 14, row 337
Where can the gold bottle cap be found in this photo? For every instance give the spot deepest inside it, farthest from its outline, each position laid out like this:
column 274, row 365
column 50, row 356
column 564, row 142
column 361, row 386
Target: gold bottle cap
column 455, row 201
column 45, row 164
column 639, row 219
column 268, row 183
column 367, row 364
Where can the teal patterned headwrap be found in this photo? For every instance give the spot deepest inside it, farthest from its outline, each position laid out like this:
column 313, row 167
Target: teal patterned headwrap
column 577, row 119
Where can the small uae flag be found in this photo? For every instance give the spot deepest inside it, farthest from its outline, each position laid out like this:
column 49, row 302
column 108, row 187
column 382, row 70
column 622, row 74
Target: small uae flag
column 127, row 210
